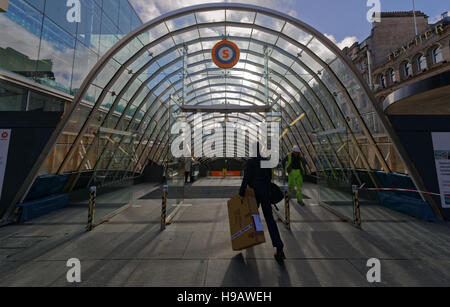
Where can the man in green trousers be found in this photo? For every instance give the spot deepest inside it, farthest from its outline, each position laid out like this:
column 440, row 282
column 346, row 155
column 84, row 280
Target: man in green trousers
column 295, row 166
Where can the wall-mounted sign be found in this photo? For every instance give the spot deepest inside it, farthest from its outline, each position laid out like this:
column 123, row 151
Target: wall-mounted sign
column 226, row 54
column 5, row 135
column 441, row 144
column 418, row 40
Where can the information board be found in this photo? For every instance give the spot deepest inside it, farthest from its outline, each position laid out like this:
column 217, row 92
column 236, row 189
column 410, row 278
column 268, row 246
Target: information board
column 441, row 144
column 5, row 135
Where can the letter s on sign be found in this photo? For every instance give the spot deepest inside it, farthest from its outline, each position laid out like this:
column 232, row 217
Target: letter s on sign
column 226, row 53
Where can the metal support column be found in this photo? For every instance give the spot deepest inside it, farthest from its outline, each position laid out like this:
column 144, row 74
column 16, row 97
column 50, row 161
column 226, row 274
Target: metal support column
column 185, row 73
column 266, row 73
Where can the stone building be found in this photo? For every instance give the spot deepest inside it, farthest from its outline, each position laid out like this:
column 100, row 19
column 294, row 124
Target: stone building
column 396, row 62
column 393, row 56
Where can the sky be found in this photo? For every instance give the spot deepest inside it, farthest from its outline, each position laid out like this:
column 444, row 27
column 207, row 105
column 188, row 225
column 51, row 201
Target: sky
column 343, row 21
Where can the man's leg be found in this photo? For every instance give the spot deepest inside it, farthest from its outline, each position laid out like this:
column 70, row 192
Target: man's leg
column 291, row 184
column 299, row 184
column 272, row 225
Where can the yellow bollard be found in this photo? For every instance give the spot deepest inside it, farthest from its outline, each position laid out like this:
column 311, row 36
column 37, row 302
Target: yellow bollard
column 356, row 207
column 92, row 197
column 287, row 208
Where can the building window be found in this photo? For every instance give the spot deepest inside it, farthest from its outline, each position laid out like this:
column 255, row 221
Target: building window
column 382, row 80
column 421, row 63
column 391, row 75
column 406, row 69
column 436, row 55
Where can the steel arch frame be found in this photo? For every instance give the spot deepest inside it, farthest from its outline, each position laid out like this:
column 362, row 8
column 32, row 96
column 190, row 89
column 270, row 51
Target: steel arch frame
column 93, row 74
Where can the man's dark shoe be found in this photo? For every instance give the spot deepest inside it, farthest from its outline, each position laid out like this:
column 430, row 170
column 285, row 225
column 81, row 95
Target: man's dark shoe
column 301, row 203
column 280, row 256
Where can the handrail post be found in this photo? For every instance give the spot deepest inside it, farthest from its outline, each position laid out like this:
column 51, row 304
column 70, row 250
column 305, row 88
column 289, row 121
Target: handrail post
column 356, row 207
column 92, row 198
column 287, row 208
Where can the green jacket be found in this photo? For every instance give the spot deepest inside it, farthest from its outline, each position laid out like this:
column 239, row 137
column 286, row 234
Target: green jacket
column 288, row 167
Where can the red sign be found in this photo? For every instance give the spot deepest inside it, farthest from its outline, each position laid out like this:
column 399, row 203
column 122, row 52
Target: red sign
column 226, row 54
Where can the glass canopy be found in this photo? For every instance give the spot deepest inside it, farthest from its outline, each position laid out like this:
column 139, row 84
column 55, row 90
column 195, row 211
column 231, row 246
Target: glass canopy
column 122, row 114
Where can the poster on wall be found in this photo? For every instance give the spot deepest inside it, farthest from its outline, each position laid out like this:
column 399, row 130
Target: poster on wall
column 5, row 136
column 441, row 144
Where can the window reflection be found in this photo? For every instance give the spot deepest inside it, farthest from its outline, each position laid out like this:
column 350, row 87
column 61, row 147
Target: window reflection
column 108, row 34
column 56, row 57
column 89, row 27
column 85, row 59
column 20, row 33
column 56, row 10
column 12, row 98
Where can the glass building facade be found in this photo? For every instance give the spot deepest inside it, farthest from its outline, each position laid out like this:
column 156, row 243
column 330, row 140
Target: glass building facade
column 39, row 43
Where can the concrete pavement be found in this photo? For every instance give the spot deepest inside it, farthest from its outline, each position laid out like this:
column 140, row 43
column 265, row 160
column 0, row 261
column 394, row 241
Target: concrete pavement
column 195, row 251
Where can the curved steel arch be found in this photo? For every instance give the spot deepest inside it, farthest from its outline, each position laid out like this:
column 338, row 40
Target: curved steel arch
column 150, row 104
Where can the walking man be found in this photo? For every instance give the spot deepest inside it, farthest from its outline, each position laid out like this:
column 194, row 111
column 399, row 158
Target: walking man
column 259, row 179
column 295, row 165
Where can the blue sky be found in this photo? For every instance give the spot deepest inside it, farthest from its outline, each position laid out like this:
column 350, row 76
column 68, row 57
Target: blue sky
column 344, row 20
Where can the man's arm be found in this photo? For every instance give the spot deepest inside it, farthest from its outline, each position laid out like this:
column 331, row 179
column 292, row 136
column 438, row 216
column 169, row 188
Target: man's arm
column 305, row 163
column 284, row 161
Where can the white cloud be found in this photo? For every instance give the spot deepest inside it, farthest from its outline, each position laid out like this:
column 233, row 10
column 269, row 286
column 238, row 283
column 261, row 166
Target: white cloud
column 346, row 42
column 148, row 9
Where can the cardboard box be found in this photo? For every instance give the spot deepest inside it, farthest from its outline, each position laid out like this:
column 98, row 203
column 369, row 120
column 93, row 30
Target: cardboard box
column 245, row 222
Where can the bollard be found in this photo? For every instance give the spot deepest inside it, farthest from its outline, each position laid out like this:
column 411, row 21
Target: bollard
column 356, row 208
column 287, row 208
column 92, row 197
column 164, row 207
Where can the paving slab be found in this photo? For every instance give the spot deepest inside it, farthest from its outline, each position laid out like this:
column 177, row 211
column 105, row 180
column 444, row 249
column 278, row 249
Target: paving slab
column 129, row 249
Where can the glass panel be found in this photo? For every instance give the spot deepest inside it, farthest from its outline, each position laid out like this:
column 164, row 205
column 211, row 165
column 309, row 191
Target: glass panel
column 56, row 10
column 111, row 8
column 89, row 28
column 45, row 103
column 85, row 60
column 108, row 35
column 175, row 170
column 56, row 57
column 20, row 36
column 12, row 98
column 125, row 14
column 335, row 184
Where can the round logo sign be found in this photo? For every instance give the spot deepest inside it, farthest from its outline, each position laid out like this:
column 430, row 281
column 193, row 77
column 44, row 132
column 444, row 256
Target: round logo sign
column 226, row 54
column 5, row 135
